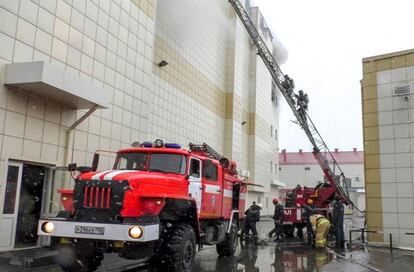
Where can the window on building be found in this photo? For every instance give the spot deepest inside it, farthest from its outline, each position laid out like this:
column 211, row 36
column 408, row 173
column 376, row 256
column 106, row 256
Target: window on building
column 274, row 94
column 276, row 134
column 271, row 131
column 307, row 168
column 280, row 168
column 276, row 168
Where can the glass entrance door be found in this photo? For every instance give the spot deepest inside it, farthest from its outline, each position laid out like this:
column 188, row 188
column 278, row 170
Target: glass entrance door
column 30, row 205
column 21, row 205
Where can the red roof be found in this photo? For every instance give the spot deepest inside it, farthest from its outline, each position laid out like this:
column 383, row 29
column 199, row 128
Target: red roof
column 342, row 157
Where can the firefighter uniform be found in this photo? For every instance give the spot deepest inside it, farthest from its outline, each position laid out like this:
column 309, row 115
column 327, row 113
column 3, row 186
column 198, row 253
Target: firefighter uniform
column 278, row 218
column 252, row 216
column 320, row 227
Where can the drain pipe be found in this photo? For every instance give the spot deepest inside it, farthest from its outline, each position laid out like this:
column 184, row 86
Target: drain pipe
column 70, row 140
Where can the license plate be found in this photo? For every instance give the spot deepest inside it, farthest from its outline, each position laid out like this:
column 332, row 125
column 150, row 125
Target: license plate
column 90, row 230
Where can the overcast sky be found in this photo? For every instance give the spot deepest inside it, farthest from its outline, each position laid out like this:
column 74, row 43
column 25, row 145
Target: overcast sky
column 326, row 41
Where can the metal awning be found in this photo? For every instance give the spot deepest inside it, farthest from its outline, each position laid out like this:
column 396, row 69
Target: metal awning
column 64, row 87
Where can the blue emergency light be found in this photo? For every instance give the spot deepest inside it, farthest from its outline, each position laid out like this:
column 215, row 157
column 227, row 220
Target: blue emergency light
column 172, row 145
column 146, row 144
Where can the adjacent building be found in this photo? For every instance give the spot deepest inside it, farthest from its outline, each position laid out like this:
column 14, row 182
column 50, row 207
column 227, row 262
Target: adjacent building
column 302, row 168
column 78, row 76
column 388, row 120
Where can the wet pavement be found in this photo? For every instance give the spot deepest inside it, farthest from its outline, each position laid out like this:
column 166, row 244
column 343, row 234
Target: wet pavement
column 268, row 256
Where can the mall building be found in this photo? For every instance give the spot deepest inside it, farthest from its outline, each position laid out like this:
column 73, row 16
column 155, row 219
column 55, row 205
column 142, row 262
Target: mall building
column 77, row 76
column 388, row 121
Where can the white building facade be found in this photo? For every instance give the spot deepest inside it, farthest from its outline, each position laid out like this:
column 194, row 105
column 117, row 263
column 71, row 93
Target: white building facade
column 91, row 80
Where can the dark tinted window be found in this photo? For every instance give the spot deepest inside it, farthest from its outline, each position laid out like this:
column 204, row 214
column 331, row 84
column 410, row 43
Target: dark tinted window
column 162, row 162
column 132, row 161
column 11, row 189
column 210, row 171
column 195, row 168
column 169, row 163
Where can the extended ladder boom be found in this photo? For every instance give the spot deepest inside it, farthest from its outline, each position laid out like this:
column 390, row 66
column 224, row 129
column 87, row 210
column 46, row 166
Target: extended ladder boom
column 298, row 106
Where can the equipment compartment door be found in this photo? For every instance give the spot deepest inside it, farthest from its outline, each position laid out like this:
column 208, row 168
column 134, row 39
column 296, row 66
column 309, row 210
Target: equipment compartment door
column 213, row 191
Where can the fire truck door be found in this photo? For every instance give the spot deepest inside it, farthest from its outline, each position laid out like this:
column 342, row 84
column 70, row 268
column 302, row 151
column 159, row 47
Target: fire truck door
column 195, row 189
column 213, row 191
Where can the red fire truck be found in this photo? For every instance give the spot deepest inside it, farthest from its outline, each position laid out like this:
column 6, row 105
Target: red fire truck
column 157, row 203
column 295, row 199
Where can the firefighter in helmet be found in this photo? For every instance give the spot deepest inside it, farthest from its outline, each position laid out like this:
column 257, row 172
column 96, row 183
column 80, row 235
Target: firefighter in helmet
column 278, row 218
column 303, row 99
column 320, row 227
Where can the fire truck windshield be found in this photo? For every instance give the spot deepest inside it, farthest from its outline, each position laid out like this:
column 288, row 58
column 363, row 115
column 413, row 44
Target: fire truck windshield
column 156, row 162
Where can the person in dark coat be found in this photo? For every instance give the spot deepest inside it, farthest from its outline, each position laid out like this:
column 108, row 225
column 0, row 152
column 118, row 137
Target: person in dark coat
column 252, row 217
column 309, row 210
column 278, row 218
column 338, row 221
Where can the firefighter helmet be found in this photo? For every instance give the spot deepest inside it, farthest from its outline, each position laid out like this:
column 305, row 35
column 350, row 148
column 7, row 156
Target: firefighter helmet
column 275, row 201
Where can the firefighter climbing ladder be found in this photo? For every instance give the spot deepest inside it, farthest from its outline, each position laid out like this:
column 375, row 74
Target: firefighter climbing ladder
column 325, row 158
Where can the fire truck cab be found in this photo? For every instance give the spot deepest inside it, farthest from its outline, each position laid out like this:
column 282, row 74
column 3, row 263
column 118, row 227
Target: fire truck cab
column 157, row 203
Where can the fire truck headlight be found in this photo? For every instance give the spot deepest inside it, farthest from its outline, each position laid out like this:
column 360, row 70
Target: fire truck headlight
column 135, row 232
column 48, row 227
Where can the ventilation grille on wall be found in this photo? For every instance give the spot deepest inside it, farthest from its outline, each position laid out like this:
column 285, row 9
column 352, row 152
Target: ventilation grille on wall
column 401, row 90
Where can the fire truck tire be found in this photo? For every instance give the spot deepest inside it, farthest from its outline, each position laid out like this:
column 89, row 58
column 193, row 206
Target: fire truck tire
column 228, row 247
column 72, row 259
column 178, row 249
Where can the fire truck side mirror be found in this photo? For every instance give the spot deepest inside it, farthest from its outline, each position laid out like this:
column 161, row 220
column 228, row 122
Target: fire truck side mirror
column 187, row 177
column 95, row 162
column 72, row 167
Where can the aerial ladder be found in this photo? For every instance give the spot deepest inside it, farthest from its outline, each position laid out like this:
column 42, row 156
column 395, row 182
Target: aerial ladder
column 205, row 148
column 334, row 176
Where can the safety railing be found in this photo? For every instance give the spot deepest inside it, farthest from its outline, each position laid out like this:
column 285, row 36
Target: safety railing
column 364, row 231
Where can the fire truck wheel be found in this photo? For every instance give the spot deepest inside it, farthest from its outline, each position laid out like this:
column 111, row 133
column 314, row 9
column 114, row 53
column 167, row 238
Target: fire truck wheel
column 79, row 259
column 178, row 249
column 228, row 247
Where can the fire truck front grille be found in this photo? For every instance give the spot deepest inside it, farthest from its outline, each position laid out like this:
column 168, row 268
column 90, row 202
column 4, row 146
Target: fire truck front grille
column 99, row 200
column 97, row 197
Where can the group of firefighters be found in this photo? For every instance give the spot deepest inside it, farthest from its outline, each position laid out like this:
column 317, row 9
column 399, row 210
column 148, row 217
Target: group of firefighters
column 317, row 225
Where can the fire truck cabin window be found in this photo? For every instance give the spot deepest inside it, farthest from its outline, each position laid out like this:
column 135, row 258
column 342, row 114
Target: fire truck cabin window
column 210, row 171
column 195, row 168
column 132, row 161
column 168, row 163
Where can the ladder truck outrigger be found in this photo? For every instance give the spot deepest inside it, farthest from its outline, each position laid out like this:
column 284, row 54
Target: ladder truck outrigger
column 334, row 181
